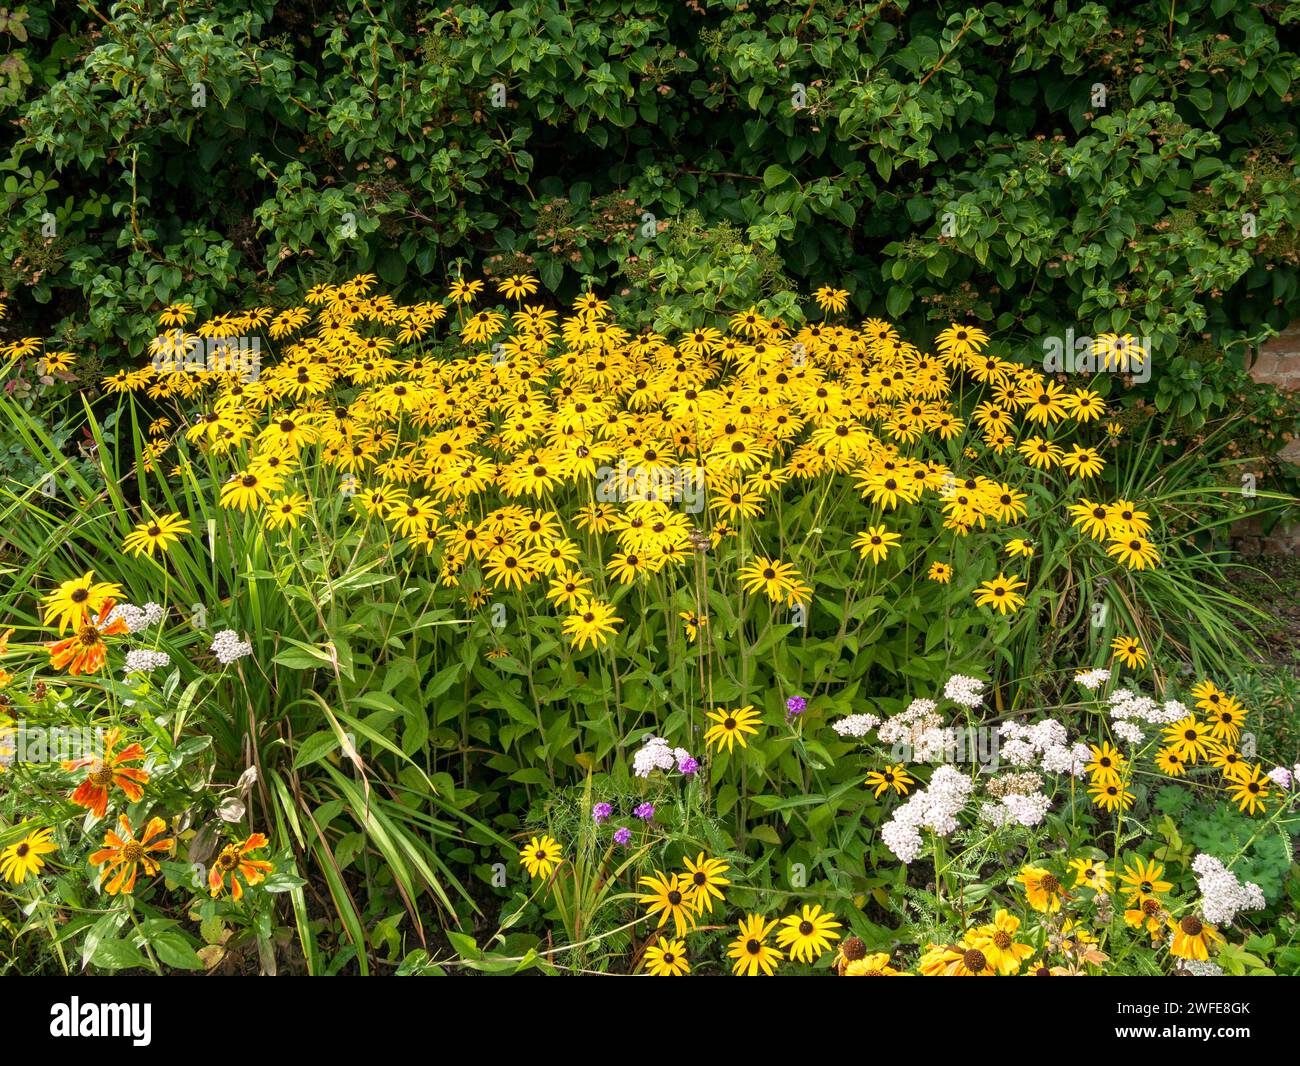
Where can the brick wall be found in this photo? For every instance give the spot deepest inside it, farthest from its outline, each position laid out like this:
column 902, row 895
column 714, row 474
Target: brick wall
column 1279, row 359
column 1278, row 363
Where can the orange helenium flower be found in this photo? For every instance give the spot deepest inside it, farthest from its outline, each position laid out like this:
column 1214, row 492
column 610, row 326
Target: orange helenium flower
column 83, row 652
column 108, row 771
column 234, row 860
column 123, row 855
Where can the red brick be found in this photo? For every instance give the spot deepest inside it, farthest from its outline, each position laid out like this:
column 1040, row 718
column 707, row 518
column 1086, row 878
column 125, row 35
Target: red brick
column 1278, row 360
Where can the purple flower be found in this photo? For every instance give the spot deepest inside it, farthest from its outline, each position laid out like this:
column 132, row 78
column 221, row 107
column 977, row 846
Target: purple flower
column 794, row 707
column 601, row 812
column 645, row 811
column 623, row 835
column 688, row 766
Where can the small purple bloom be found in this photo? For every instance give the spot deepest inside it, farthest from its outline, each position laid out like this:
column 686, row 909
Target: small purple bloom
column 795, row 706
column 601, row 812
column 688, row 766
column 645, row 811
column 623, row 835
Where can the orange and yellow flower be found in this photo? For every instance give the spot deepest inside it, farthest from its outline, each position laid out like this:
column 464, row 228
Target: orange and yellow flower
column 84, row 651
column 235, row 861
column 108, row 771
column 124, row 855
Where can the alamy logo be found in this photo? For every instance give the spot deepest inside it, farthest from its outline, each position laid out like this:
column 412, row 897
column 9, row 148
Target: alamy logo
column 663, row 484
column 1098, row 355
column 179, row 351
column 23, row 742
column 133, row 1020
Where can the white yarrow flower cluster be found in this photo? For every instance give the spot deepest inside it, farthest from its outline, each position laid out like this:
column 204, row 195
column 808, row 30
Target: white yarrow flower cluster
column 1202, row 968
column 994, row 813
column 137, row 618
column 1093, row 679
column 1282, row 777
column 920, row 728
column 1027, row 810
column 968, row 691
column 143, row 661
column 227, row 647
column 1222, row 895
column 935, row 807
column 1045, row 745
column 1126, row 705
column 655, row 754
column 1071, row 760
column 1130, row 732
column 856, row 725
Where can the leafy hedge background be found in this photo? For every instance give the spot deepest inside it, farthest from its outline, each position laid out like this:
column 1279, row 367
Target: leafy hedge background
column 217, row 150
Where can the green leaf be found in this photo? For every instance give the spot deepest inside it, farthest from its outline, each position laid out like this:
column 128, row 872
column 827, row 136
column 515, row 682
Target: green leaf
column 530, row 775
column 118, row 955
column 898, row 300
column 301, row 659
column 315, row 748
column 465, row 945
column 174, row 949
column 775, row 175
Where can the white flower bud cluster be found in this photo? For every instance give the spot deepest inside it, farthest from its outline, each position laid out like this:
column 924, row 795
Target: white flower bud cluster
column 227, row 647
column 143, row 661
column 994, row 813
column 935, row 807
column 655, row 754
column 1093, row 679
column 920, row 727
column 856, row 725
column 137, row 618
column 1044, row 745
column 1284, row 778
column 968, row 691
column 1126, row 705
column 1222, row 895
column 1027, row 810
